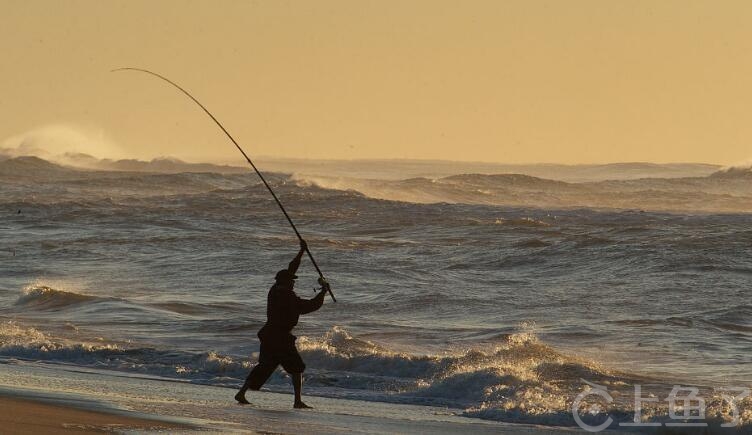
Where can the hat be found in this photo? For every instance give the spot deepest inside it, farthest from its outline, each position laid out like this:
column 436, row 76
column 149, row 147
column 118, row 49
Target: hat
column 285, row 275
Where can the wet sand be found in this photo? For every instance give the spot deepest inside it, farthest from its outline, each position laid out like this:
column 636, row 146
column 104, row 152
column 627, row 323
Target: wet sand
column 42, row 398
column 22, row 416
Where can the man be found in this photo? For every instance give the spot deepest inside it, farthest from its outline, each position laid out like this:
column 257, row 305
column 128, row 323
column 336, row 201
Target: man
column 283, row 307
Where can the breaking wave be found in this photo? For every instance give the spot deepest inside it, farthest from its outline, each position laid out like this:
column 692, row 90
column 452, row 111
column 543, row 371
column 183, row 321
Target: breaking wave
column 724, row 191
column 520, row 379
column 728, row 191
column 26, row 343
column 47, row 298
column 39, row 297
column 742, row 171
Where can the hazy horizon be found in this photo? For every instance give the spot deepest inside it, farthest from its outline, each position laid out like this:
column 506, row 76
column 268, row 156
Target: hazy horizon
column 46, row 155
column 54, row 141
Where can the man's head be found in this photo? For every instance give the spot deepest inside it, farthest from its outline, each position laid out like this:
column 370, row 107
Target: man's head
column 285, row 278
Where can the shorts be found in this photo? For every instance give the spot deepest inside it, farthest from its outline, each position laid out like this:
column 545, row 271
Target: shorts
column 285, row 355
column 271, row 355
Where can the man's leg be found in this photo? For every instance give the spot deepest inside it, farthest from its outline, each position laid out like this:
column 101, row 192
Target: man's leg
column 294, row 366
column 258, row 376
column 297, row 385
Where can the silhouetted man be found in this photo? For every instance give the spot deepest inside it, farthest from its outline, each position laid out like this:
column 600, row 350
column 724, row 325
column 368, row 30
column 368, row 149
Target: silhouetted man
column 283, row 307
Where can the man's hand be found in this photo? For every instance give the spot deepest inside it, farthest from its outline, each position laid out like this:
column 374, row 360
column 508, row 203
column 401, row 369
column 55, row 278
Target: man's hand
column 303, row 245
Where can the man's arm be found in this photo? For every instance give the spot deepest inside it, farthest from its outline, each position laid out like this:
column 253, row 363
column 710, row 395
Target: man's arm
column 295, row 263
column 306, row 306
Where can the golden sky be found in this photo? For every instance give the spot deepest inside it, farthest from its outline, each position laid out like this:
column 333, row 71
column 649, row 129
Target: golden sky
column 498, row 81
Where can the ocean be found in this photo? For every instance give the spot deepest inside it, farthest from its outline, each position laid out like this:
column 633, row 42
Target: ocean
column 501, row 296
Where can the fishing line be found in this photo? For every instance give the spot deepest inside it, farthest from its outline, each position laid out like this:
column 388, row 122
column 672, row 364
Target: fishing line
column 281, row 207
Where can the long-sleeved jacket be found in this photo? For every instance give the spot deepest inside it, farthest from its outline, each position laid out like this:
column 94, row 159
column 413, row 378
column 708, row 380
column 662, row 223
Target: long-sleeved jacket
column 284, row 307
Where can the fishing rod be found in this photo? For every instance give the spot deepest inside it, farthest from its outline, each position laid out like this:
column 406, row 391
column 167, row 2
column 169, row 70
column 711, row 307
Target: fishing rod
column 322, row 280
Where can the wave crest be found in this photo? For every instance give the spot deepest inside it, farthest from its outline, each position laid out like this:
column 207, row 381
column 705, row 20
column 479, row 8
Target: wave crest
column 42, row 297
column 519, row 379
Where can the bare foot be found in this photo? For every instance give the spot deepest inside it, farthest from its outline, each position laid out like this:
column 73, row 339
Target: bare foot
column 301, row 405
column 240, row 397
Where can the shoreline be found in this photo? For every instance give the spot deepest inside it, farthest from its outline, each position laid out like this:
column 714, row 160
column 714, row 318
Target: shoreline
column 48, row 398
column 43, row 397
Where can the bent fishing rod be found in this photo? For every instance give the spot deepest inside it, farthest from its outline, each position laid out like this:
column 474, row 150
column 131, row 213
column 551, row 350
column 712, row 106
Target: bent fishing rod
column 322, row 280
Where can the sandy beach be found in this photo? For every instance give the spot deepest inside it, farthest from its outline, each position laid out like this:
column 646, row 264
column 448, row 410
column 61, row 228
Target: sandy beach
column 42, row 398
column 22, row 416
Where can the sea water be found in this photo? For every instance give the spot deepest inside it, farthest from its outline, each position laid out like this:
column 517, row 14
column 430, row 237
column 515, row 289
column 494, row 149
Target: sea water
column 499, row 296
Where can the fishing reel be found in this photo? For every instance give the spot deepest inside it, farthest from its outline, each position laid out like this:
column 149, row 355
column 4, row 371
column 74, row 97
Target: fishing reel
column 323, row 283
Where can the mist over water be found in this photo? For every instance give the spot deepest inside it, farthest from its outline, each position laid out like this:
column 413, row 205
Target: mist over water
column 495, row 293
column 56, row 142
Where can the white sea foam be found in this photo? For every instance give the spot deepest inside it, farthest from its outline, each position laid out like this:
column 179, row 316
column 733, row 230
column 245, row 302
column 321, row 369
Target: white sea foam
column 520, row 379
